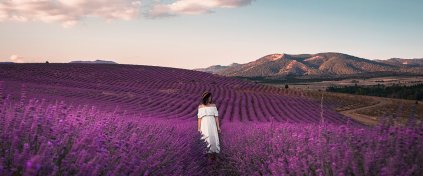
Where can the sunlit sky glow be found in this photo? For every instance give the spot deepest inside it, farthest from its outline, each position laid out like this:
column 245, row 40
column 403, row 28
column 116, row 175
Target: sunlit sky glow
column 199, row 33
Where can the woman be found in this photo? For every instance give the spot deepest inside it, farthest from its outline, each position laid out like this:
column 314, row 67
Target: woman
column 208, row 122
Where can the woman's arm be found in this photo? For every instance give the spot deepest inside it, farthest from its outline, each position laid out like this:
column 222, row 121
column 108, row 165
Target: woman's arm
column 199, row 124
column 216, row 118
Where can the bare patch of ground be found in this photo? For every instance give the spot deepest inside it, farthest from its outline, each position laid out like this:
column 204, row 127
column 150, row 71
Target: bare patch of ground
column 365, row 109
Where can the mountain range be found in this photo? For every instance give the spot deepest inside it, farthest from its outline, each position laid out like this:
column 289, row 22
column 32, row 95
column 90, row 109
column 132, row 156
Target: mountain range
column 317, row 65
column 94, row 62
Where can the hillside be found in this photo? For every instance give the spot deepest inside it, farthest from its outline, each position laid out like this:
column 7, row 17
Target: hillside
column 93, row 62
column 110, row 119
column 319, row 65
column 160, row 92
column 216, row 68
column 403, row 62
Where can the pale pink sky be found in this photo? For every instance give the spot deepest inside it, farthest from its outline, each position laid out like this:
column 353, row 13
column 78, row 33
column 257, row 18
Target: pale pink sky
column 193, row 34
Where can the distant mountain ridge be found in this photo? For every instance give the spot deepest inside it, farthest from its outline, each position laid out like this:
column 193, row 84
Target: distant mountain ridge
column 94, row 62
column 402, row 62
column 316, row 65
column 216, row 68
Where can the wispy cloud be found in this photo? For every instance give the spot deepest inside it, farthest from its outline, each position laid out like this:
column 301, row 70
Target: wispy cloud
column 193, row 7
column 71, row 12
column 67, row 12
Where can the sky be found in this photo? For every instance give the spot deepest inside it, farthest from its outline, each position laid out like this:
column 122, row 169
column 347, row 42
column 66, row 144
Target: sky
column 200, row 33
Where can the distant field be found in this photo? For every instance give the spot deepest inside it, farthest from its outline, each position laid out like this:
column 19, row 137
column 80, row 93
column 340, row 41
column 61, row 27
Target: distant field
column 161, row 92
column 322, row 85
column 82, row 119
column 368, row 109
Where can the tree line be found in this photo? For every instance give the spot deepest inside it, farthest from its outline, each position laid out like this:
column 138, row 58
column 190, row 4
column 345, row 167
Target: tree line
column 412, row 92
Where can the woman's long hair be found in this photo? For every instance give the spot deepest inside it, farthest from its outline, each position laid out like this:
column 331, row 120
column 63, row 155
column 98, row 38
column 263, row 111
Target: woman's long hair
column 206, row 98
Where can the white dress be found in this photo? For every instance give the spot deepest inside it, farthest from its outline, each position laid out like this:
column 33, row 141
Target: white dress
column 209, row 128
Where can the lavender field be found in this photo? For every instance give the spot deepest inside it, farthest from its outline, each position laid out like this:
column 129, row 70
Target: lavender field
column 160, row 92
column 84, row 119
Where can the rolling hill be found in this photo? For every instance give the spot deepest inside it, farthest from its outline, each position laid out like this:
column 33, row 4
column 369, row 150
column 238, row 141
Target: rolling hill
column 403, row 62
column 93, row 62
column 216, row 68
column 317, row 65
column 160, row 92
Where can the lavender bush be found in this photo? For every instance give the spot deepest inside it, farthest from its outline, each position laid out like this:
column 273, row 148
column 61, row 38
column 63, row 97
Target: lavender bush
column 57, row 139
column 160, row 92
column 265, row 130
column 44, row 139
column 326, row 149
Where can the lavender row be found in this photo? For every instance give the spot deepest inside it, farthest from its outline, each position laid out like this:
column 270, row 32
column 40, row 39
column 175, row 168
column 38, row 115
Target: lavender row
column 38, row 138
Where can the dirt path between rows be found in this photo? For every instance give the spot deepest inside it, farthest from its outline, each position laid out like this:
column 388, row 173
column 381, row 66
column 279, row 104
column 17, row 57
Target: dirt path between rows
column 365, row 119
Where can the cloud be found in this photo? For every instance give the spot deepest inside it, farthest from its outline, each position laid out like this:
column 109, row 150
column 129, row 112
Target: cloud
column 17, row 59
column 193, row 7
column 71, row 12
column 67, row 12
